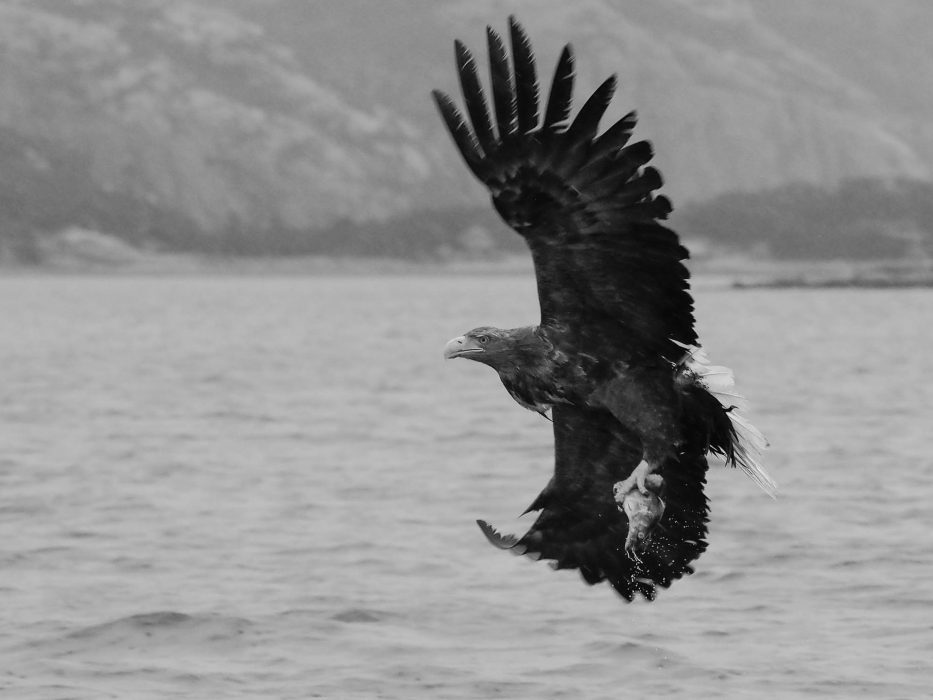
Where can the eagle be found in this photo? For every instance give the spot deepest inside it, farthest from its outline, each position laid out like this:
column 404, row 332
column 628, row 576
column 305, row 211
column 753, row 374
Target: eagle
column 614, row 362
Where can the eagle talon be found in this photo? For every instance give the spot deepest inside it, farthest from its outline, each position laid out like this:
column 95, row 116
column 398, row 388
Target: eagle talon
column 637, row 479
column 632, row 554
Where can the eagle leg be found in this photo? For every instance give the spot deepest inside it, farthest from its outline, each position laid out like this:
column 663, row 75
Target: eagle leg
column 637, row 479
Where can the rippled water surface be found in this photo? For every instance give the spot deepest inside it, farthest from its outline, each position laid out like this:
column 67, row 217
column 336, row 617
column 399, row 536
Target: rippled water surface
column 266, row 487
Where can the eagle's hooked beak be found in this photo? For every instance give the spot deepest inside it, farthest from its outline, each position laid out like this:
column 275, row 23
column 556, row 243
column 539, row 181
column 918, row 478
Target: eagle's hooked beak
column 461, row 346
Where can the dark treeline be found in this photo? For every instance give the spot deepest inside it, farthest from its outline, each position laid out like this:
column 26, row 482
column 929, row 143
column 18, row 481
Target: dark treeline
column 44, row 189
column 426, row 235
column 861, row 219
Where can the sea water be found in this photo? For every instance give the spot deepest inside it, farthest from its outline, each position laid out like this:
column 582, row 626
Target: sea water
column 266, row 487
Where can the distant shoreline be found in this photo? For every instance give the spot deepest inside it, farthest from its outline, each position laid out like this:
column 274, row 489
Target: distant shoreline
column 171, row 264
column 836, row 284
column 723, row 272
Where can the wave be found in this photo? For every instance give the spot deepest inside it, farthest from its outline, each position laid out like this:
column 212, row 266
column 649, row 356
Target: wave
column 162, row 627
column 359, row 615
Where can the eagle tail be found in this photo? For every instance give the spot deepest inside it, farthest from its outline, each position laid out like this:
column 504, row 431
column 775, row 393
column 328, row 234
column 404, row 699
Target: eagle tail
column 746, row 442
column 747, row 448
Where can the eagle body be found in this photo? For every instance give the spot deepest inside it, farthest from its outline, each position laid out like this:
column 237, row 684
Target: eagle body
column 541, row 368
column 636, row 407
column 549, row 364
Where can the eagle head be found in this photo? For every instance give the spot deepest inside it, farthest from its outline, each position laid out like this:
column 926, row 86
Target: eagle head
column 485, row 344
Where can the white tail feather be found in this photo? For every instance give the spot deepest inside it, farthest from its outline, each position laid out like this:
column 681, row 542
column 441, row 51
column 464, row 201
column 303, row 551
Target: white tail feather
column 750, row 443
column 748, row 449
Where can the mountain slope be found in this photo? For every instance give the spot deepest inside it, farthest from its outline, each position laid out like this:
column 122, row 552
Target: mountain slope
column 190, row 108
column 204, row 116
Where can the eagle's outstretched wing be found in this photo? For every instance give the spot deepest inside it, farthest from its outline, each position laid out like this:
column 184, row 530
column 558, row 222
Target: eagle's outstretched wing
column 580, row 526
column 584, row 202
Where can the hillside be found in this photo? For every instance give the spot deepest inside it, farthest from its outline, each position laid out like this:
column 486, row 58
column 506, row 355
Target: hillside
column 167, row 121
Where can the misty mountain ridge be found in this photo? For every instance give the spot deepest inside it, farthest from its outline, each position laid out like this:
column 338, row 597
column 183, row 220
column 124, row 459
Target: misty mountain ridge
column 165, row 122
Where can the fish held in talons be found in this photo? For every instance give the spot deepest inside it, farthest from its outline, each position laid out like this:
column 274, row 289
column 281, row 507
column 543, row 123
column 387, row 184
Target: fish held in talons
column 644, row 511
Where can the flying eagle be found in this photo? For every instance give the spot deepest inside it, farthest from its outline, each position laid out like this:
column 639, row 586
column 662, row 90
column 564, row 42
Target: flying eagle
column 636, row 406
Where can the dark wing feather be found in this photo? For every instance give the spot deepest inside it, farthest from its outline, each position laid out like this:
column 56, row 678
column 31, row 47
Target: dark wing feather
column 613, row 138
column 559, row 101
column 460, row 130
column 475, row 99
column 586, row 123
column 503, row 91
column 586, row 204
column 580, row 526
column 526, row 78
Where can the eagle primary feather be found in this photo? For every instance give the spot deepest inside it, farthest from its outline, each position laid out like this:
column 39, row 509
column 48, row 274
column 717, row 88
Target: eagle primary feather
column 607, row 358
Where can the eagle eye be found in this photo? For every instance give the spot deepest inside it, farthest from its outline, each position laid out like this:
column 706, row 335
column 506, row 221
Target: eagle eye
column 483, row 339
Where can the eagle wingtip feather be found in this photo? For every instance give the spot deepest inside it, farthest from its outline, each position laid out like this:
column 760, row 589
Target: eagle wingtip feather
column 497, row 539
